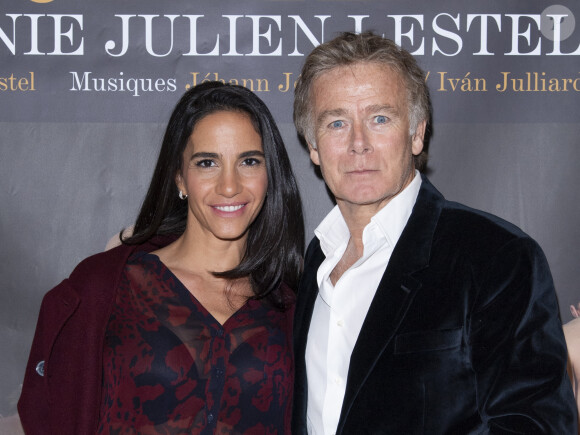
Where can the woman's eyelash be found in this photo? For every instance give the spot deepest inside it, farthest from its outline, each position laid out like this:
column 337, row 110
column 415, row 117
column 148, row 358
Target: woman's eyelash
column 205, row 163
column 252, row 161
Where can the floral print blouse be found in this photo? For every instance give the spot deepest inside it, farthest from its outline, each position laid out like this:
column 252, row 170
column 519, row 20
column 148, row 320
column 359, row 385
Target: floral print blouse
column 171, row 368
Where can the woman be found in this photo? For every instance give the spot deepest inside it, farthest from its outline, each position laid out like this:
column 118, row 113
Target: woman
column 186, row 327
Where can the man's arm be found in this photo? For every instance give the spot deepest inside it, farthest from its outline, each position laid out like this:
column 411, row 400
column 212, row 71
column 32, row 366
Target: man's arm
column 517, row 346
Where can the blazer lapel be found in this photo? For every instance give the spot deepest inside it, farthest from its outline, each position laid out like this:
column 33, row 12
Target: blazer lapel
column 395, row 291
column 307, row 293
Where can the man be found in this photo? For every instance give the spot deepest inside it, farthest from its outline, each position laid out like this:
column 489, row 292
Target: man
column 414, row 314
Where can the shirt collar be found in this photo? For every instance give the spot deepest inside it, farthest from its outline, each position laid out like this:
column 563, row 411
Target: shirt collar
column 333, row 232
column 393, row 217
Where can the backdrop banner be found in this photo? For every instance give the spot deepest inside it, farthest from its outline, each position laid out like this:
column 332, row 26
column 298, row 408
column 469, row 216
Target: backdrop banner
column 87, row 87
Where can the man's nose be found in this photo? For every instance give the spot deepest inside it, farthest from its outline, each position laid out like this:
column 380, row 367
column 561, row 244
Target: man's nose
column 359, row 143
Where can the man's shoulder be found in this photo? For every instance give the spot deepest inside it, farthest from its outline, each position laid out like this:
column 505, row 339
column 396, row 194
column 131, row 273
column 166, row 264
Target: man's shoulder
column 466, row 218
column 481, row 236
column 463, row 229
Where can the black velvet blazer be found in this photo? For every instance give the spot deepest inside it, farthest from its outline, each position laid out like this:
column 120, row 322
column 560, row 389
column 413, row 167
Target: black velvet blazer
column 463, row 335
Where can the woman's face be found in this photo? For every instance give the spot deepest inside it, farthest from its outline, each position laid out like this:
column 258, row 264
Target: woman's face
column 224, row 175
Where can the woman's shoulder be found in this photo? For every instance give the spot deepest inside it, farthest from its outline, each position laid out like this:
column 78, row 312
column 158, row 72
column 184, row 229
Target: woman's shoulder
column 91, row 278
column 111, row 262
column 102, row 264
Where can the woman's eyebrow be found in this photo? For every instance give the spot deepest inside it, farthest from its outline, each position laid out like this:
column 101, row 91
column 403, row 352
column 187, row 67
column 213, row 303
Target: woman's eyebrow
column 251, row 153
column 205, row 155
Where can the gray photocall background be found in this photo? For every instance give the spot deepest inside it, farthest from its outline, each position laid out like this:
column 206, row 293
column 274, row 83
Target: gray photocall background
column 76, row 160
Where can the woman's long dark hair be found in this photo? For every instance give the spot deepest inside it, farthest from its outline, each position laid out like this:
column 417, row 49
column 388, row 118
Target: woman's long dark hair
column 275, row 239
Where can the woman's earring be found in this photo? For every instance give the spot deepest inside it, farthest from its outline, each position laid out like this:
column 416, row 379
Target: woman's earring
column 181, row 195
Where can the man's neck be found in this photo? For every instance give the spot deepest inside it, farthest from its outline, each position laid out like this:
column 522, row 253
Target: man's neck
column 357, row 217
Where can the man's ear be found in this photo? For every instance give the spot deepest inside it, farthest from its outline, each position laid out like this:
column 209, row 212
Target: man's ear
column 314, row 154
column 418, row 138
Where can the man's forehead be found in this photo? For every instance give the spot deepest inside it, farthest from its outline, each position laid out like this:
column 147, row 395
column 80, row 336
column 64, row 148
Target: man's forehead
column 362, row 87
column 357, row 70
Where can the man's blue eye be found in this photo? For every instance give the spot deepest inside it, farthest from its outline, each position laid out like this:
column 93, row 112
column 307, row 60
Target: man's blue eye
column 380, row 119
column 336, row 124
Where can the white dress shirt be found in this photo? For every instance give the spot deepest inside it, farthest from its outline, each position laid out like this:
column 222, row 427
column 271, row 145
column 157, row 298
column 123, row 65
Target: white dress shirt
column 340, row 310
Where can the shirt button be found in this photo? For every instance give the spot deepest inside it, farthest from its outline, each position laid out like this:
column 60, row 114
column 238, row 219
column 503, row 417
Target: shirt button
column 337, row 380
column 340, row 323
column 210, row 417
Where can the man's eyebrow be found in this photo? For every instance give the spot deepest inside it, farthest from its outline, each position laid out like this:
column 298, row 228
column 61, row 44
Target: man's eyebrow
column 328, row 114
column 380, row 108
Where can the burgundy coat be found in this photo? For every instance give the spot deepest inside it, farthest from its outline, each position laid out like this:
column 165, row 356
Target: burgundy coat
column 62, row 384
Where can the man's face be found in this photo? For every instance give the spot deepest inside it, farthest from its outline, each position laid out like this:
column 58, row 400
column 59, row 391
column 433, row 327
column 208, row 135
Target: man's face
column 361, row 126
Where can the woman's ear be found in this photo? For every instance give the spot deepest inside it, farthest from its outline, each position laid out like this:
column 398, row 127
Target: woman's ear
column 180, row 184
